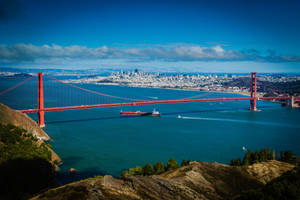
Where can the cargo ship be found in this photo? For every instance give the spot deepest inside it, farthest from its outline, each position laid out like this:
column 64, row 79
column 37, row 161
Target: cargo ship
column 154, row 113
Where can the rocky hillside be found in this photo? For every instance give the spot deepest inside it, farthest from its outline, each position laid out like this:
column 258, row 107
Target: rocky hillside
column 198, row 180
column 267, row 171
column 10, row 116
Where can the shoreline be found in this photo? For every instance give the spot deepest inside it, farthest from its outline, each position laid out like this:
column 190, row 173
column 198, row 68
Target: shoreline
column 246, row 94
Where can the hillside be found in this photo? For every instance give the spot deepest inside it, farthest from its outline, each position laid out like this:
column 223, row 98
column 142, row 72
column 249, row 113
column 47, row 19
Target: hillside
column 198, row 180
column 27, row 163
column 25, row 167
column 10, row 116
column 272, row 88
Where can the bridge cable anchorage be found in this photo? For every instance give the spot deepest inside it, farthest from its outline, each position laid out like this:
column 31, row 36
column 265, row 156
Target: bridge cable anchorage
column 17, row 85
column 94, row 92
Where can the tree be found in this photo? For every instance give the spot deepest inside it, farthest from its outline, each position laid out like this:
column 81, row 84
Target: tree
column 246, row 159
column 235, row 162
column 148, row 169
column 172, row 164
column 183, row 163
column 159, row 168
column 287, row 156
column 269, row 155
column 256, row 157
column 124, row 173
column 136, row 171
column 273, row 155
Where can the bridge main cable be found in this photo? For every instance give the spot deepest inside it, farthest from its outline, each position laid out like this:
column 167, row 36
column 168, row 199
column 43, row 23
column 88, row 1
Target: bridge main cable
column 94, row 92
column 135, row 104
column 17, row 85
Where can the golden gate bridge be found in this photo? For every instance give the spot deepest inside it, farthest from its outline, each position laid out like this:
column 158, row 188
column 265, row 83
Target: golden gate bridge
column 116, row 101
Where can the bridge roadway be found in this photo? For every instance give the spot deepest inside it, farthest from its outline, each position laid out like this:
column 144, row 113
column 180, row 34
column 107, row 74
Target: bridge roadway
column 150, row 103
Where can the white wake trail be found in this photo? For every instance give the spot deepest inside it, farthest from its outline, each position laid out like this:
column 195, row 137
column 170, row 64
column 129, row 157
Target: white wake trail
column 241, row 121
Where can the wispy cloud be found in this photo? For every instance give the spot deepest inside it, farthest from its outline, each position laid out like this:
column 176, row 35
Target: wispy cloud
column 181, row 52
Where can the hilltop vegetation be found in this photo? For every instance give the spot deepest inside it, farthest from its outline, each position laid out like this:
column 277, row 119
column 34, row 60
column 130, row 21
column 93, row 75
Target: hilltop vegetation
column 10, row 116
column 17, row 143
column 193, row 180
column 25, row 167
column 265, row 155
column 158, row 168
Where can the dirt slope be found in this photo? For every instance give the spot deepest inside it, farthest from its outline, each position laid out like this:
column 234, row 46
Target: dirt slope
column 10, row 116
column 199, row 180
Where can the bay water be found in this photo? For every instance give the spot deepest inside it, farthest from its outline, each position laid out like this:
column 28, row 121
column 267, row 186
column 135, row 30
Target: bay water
column 100, row 141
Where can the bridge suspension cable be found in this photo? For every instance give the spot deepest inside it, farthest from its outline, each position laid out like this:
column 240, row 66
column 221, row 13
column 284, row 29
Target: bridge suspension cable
column 17, row 85
column 107, row 95
column 94, row 92
column 199, row 95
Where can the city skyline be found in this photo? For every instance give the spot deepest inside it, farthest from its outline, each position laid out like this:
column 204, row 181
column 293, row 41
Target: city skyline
column 165, row 36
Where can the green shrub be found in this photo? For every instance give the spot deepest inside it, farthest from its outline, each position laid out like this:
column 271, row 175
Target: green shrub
column 235, row 162
column 124, row 173
column 288, row 156
column 159, row 168
column 148, row 170
column 183, row 163
column 136, row 171
column 16, row 143
column 172, row 164
column 254, row 157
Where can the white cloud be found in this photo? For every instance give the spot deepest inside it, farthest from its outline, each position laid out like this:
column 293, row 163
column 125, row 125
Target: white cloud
column 181, row 52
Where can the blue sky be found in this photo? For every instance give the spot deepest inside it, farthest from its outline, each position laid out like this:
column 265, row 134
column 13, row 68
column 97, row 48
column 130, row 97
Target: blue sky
column 185, row 36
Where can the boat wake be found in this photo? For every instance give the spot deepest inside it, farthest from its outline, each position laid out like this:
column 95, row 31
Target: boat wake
column 153, row 97
column 241, row 121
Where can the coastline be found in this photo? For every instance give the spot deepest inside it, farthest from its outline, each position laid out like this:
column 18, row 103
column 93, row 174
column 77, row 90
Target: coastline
column 246, row 94
column 10, row 116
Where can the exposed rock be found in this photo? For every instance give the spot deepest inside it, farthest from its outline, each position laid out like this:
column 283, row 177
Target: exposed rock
column 199, row 180
column 267, row 171
column 10, row 116
column 72, row 170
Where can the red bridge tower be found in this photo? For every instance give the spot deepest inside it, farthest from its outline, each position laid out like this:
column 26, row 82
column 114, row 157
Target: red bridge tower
column 253, row 91
column 41, row 111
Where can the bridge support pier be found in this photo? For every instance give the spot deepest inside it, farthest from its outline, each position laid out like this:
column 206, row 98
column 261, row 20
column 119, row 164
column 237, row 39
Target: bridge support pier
column 253, row 91
column 291, row 102
column 41, row 112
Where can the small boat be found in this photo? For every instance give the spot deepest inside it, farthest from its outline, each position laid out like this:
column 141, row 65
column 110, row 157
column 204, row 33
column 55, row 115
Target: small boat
column 155, row 113
column 179, row 116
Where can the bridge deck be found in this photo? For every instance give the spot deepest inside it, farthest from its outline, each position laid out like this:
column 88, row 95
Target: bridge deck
column 149, row 103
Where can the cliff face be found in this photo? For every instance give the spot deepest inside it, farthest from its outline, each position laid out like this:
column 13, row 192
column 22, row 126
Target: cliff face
column 199, row 180
column 10, row 116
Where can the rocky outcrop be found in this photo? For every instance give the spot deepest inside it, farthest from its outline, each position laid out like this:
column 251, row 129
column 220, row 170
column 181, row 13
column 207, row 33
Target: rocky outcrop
column 267, row 171
column 10, row 116
column 199, row 180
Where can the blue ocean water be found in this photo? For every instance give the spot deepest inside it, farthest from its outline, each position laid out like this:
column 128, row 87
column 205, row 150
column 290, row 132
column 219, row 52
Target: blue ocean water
column 100, row 141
